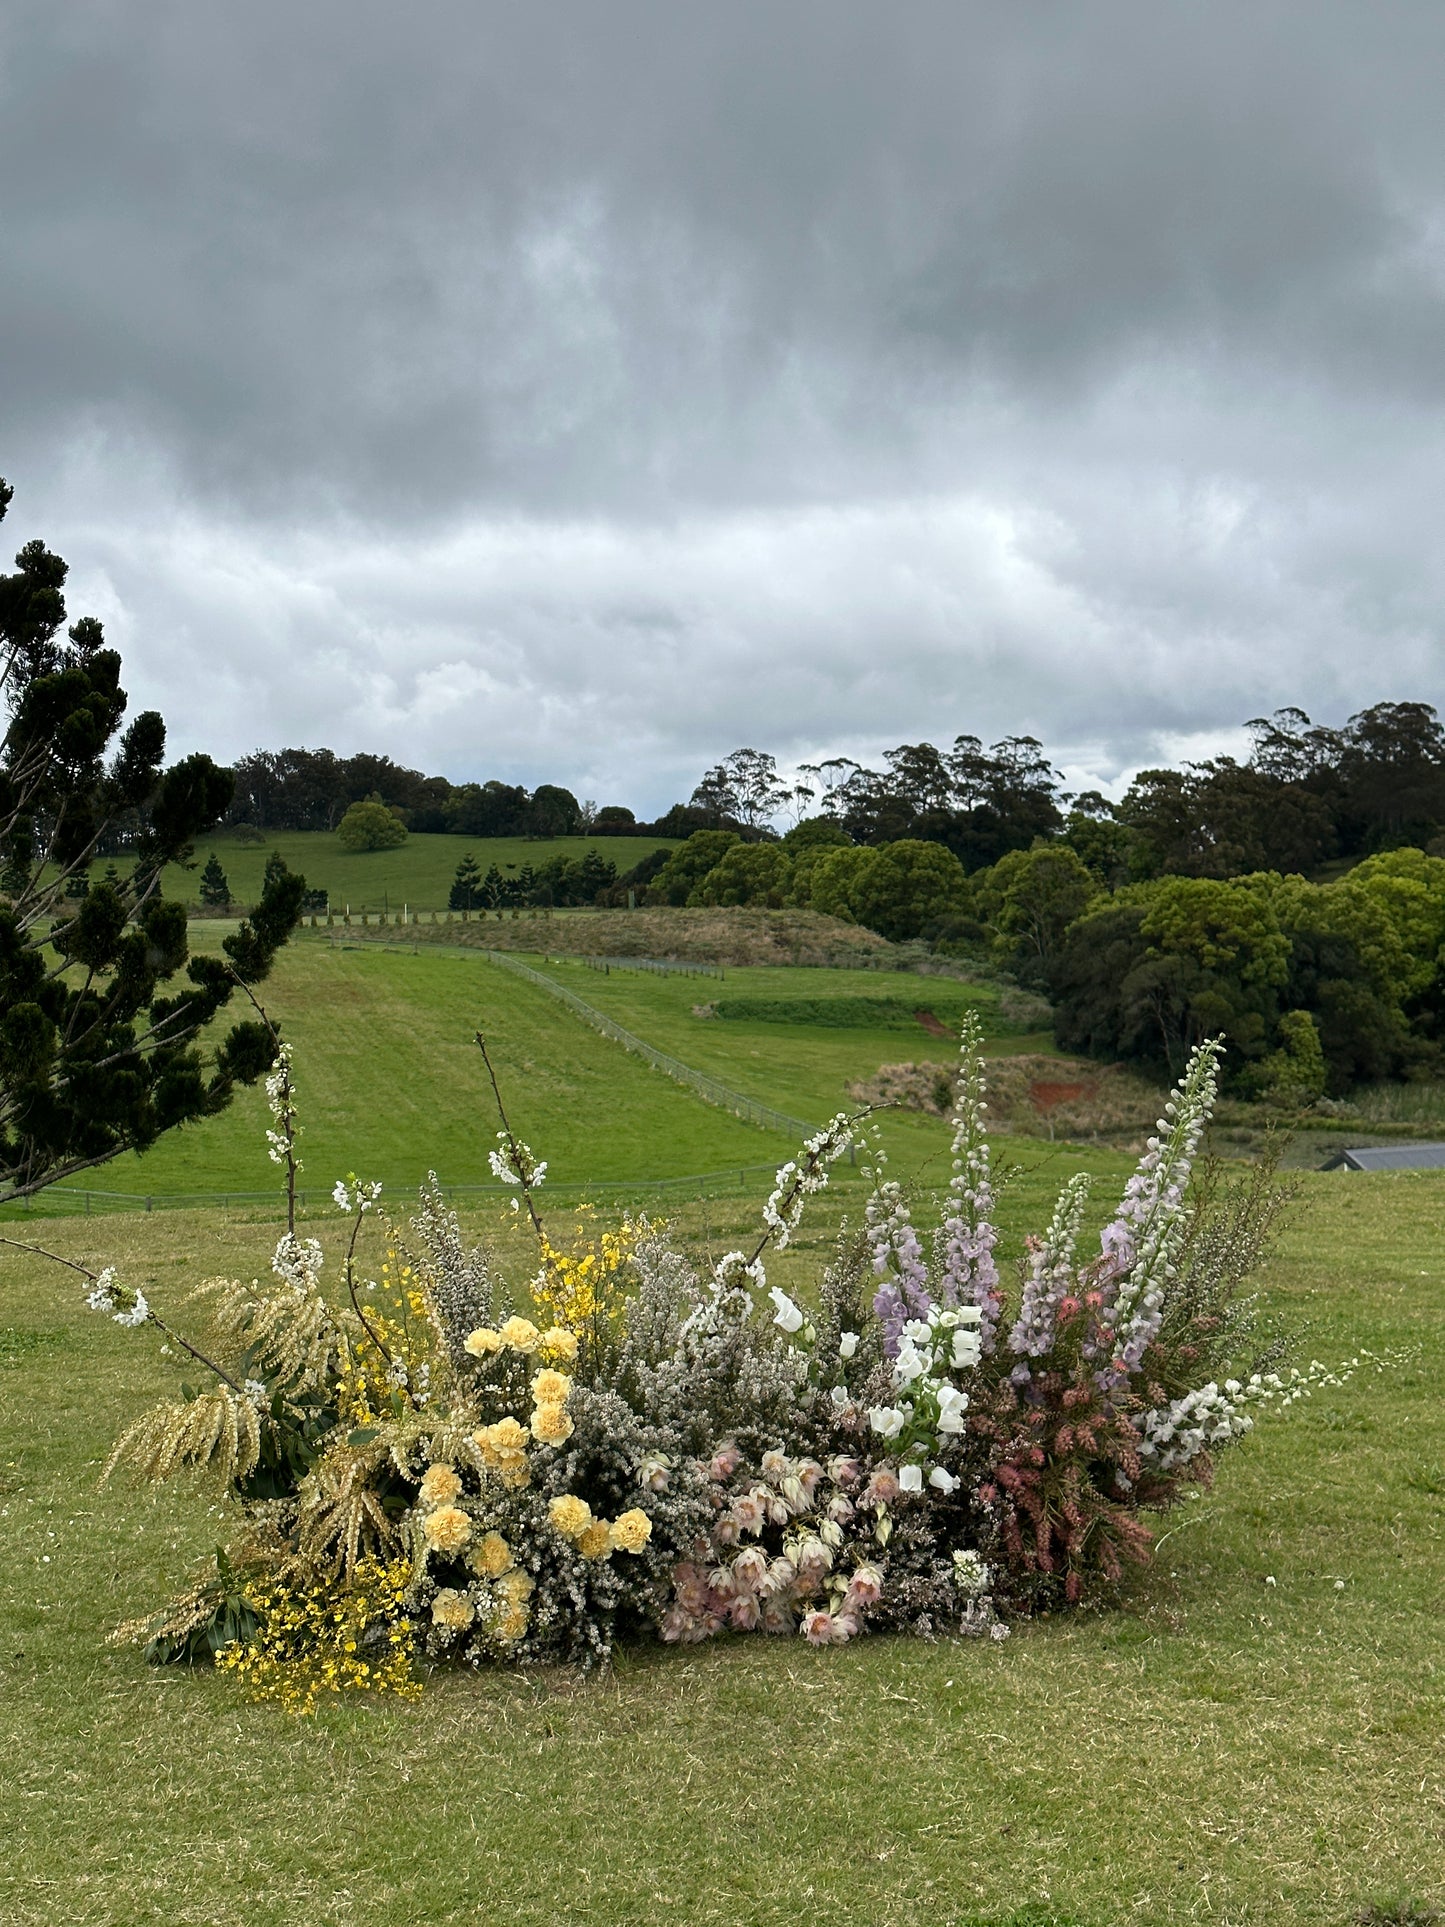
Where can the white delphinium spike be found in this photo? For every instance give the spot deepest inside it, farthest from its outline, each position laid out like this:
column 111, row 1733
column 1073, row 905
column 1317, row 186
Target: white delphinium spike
column 1143, row 1239
column 1050, row 1273
column 969, row 1274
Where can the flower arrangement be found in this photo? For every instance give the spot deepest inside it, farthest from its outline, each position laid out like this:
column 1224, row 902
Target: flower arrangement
column 427, row 1466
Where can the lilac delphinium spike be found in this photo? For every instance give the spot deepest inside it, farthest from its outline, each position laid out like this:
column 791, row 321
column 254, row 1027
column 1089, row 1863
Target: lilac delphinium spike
column 897, row 1256
column 968, row 1274
column 1151, row 1215
column 1049, row 1277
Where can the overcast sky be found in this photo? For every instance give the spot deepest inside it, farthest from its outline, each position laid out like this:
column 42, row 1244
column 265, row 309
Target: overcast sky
column 577, row 390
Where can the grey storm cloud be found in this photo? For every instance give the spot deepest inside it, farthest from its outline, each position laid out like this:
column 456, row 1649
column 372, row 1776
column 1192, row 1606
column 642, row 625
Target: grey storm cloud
column 577, row 391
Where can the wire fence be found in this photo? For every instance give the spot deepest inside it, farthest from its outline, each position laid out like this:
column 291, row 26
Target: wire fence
column 661, row 967
column 705, row 1087
column 89, row 1203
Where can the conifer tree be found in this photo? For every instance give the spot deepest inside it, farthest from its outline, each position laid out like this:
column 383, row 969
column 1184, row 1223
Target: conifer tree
column 100, row 1046
column 215, row 890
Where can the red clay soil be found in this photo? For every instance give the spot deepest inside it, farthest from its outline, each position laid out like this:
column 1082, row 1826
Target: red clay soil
column 1048, row 1097
column 933, row 1025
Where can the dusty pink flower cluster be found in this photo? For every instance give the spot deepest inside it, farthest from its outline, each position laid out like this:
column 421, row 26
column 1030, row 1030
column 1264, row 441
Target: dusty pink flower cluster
column 788, row 1552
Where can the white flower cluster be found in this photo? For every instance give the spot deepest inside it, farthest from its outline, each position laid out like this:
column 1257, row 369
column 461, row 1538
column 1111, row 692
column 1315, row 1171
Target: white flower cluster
column 297, row 1262
column 281, row 1098
column 117, row 1301
column 930, row 1407
column 970, row 1574
column 515, row 1162
column 800, row 1179
column 350, row 1194
column 1213, row 1414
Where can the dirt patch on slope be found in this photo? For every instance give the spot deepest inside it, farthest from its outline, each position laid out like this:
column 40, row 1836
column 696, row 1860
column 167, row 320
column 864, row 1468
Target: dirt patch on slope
column 1032, row 1094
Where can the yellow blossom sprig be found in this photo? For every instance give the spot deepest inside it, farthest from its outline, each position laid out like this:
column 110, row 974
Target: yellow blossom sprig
column 329, row 1638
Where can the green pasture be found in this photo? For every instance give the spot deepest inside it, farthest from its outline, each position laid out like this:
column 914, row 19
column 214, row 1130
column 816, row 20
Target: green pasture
column 420, row 873
column 1252, row 1738
column 392, row 1084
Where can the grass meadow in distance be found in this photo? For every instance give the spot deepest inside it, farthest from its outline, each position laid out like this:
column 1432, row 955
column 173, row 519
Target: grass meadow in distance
column 1220, row 1749
column 420, row 873
column 364, row 1017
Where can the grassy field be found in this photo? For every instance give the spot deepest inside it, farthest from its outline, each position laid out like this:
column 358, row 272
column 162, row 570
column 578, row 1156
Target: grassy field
column 392, row 1083
column 1253, row 1738
column 419, row 873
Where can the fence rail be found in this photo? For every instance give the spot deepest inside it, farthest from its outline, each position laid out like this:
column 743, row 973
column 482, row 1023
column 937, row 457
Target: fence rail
column 662, row 967
column 705, row 1087
column 88, row 1203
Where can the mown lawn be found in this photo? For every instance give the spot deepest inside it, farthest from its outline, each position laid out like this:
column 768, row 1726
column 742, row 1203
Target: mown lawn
column 1219, row 1748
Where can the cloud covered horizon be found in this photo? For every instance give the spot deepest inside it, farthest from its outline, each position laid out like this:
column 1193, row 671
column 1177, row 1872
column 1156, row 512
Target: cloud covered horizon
column 576, row 394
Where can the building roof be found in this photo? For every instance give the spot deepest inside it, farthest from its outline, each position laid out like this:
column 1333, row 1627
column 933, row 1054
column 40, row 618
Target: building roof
column 1389, row 1157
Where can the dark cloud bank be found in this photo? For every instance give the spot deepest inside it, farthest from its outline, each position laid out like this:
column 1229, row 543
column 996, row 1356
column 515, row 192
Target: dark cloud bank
column 579, row 390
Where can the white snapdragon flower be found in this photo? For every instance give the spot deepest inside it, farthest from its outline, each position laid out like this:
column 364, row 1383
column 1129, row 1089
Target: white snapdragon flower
column 886, row 1420
column 847, row 1344
column 910, row 1478
column 942, row 1480
column 788, row 1316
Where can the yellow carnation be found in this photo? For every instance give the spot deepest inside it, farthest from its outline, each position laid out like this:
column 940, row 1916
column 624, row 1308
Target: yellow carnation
column 551, row 1425
column 516, row 1586
column 596, row 1541
column 513, row 1623
column 560, row 1342
column 506, row 1436
column 483, row 1342
column 447, row 1529
column 452, row 1610
column 493, row 1556
column 570, row 1515
column 632, row 1531
column 521, row 1334
column 514, row 1471
column 551, row 1388
column 440, row 1485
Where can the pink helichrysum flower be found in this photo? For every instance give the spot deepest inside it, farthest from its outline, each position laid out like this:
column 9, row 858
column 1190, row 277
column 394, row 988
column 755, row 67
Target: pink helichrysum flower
column 840, row 1510
column 792, row 1489
column 808, row 1473
column 727, row 1530
column 817, row 1628
column 749, row 1511
column 845, row 1472
column 750, row 1568
column 779, row 1577
column 865, row 1588
column 774, row 1465
column 882, row 1488
column 846, row 1625
column 721, row 1585
column 674, row 1624
column 779, row 1511
column 725, row 1462
column 776, row 1617
column 690, row 1585
column 744, row 1613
